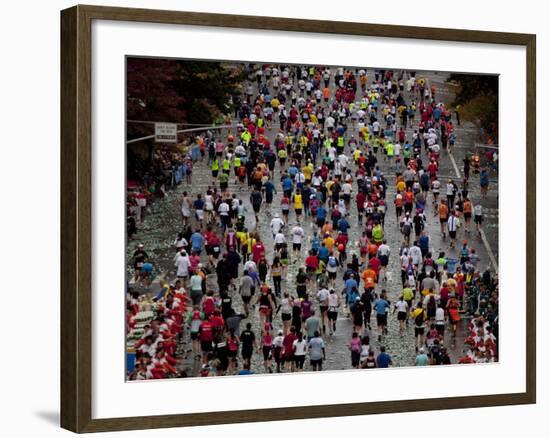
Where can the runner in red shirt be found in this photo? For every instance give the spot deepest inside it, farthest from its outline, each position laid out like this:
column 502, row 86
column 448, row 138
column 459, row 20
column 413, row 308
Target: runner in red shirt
column 288, row 350
column 375, row 264
column 312, row 264
column 360, row 199
column 258, row 251
column 206, row 336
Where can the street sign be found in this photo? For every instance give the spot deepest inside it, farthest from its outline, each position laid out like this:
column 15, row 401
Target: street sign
column 166, row 133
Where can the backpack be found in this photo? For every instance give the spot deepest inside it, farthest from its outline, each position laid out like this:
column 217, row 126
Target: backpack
column 406, row 229
column 315, row 243
column 208, row 305
column 419, row 319
column 332, row 262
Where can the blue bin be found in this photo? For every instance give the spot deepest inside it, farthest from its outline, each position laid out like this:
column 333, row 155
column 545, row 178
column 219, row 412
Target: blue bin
column 130, row 362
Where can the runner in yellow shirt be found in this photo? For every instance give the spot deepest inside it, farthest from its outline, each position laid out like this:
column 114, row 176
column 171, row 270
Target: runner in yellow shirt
column 308, row 172
column 298, row 205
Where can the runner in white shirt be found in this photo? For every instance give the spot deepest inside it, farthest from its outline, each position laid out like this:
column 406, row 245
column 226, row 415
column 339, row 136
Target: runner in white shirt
column 300, row 349
column 300, row 178
column 278, row 348
column 337, row 168
column 318, row 95
column 279, row 240
column 416, row 254
column 478, row 217
column 316, row 181
column 452, row 226
column 384, row 256
column 240, row 151
column 297, row 236
column 182, row 265
column 333, row 306
column 436, row 185
column 323, row 296
column 344, row 160
column 397, row 155
column 276, row 224
column 440, row 320
column 402, row 309
column 223, row 209
column 329, row 123
column 347, row 188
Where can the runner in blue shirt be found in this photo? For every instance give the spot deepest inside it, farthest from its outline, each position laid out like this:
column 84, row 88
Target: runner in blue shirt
column 197, row 241
column 287, row 185
column 323, row 253
column 343, row 225
column 321, row 215
column 384, row 359
column 381, row 306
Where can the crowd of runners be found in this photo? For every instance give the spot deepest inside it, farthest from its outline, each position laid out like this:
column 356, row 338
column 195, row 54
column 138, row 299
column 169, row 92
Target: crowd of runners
column 300, row 168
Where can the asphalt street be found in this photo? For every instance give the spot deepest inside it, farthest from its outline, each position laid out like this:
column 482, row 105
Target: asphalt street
column 162, row 223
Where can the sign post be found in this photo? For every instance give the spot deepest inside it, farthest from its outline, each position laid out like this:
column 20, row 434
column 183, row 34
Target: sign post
column 166, row 133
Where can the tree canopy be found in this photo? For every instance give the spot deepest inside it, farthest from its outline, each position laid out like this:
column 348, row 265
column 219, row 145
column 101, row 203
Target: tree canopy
column 177, row 91
column 477, row 100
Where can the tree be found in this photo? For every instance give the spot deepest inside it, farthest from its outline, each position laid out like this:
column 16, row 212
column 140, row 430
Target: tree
column 178, row 91
column 151, row 94
column 206, row 88
column 477, row 100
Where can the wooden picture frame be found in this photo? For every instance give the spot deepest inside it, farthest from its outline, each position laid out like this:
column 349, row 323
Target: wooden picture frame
column 76, row 222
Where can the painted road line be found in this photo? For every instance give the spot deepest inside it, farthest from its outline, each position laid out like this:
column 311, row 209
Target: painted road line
column 454, row 163
column 482, row 233
column 489, row 251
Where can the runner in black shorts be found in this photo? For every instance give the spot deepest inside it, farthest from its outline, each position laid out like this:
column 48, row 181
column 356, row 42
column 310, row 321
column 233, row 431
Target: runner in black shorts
column 299, row 360
column 296, row 247
column 246, row 299
column 301, row 290
column 248, row 342
column 382, row 320
column 316, row 364
column 206, row 346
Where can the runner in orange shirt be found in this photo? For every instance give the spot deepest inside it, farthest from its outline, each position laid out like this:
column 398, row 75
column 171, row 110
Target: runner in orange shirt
column 326, row 93
column 369, row 277
column 443, row 212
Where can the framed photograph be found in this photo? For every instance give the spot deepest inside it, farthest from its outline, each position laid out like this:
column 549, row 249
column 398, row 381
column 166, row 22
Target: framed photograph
column 269, row 218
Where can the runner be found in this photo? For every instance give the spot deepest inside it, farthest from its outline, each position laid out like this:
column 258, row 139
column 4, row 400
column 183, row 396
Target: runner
column 309, row 143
